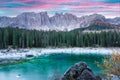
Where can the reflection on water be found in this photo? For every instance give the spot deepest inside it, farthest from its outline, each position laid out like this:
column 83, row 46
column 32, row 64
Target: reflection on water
column 47, row 67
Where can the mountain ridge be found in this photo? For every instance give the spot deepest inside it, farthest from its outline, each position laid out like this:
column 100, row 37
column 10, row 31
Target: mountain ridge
column 59, row 21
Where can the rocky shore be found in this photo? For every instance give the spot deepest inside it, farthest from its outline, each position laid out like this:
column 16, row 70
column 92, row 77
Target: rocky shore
column 80, row 71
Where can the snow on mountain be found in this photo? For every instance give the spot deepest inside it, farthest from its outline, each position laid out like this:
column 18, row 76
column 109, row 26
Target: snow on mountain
column 114, row 21
column 60, row 21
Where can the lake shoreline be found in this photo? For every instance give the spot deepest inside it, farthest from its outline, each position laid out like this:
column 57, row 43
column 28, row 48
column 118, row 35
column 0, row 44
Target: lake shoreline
column 4, row 53
column 14, row 55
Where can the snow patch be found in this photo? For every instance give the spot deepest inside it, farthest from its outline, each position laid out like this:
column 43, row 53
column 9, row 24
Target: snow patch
column 41, row 51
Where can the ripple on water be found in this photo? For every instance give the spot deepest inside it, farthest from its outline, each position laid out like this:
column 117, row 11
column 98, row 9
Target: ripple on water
column 46, row 66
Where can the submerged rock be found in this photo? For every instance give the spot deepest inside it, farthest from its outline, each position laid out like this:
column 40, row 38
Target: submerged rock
column 18, row 76
column 80, row 71
column 29, row 55
column 8, row 61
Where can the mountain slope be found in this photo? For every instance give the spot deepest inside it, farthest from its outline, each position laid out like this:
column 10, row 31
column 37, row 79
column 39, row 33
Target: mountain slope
column 60, row 21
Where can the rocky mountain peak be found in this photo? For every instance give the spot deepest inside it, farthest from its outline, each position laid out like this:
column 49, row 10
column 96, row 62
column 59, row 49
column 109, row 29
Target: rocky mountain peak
column 59, row 21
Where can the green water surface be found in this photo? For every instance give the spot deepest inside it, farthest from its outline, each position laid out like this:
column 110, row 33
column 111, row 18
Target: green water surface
column 47, row 67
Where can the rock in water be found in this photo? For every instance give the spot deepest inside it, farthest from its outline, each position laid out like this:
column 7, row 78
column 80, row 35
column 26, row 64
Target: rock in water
column 18, row 76
column 29, row 55
column 80, row 71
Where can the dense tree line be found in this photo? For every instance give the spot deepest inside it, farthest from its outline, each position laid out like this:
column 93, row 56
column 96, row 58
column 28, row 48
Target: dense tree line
column 21, row 38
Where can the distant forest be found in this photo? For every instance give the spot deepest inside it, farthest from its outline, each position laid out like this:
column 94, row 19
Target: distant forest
column 22, row 38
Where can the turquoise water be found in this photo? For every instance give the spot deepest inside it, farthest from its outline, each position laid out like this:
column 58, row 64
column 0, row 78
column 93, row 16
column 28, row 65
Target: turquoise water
column 46, row 67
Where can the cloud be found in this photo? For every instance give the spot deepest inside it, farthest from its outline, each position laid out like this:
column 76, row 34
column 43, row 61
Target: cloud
column 77, row 7
column 110, row 1
column 12, row 5
column 21, row 0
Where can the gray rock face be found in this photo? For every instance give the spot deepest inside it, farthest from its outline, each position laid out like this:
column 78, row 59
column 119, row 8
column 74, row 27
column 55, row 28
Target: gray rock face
column 60, row 21
column 86, row 21
column 114, row 21
column 5, row 21
column 80, row 71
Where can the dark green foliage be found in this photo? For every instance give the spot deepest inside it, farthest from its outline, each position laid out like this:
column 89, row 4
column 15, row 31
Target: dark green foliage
column 21, row 38
column 97, row 27
column 94, row 27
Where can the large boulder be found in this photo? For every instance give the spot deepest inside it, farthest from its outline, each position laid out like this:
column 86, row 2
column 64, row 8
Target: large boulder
column 80, row 71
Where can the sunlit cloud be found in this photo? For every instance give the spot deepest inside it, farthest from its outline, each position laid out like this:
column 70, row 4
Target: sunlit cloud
column 77, row 7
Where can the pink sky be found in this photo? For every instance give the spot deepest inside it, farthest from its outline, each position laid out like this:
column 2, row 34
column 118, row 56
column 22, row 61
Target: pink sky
column 109, row 8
